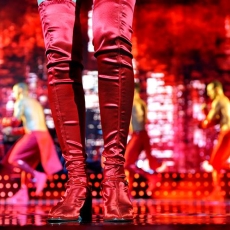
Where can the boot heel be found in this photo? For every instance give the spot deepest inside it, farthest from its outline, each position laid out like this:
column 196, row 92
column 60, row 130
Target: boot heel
column 86, row 211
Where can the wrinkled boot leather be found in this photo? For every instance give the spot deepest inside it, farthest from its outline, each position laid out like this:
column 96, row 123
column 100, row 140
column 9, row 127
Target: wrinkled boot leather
column 62, row 38
column 112, row 28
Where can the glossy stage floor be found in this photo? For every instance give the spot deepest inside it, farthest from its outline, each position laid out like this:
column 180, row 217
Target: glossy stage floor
column 177, row 202
column 149, row 214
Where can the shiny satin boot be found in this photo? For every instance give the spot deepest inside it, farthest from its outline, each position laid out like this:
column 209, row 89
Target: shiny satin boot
column 112, row 21
column 66, row 97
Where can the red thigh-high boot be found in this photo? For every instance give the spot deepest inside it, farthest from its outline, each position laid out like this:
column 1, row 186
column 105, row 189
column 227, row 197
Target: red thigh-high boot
column 66, row 96
column 112, row 21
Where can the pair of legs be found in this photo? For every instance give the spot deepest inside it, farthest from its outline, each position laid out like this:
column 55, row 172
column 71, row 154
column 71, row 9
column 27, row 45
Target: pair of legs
column 218, row 160
column 26, row 154
column 139, row 142
column 112, row 29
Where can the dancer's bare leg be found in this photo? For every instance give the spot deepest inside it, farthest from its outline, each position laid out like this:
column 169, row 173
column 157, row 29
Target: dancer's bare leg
column 21, row 196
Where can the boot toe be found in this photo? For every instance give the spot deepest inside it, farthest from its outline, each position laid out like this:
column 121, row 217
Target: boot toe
column 117, row 204
column 75, row 206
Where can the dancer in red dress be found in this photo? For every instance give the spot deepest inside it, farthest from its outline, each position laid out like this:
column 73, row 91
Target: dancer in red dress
column 112, row 30
column 35, row 146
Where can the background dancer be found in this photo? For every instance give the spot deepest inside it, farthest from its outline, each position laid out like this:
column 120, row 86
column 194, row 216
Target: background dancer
column 36, row 145
column 218, row 114
column 139, row 142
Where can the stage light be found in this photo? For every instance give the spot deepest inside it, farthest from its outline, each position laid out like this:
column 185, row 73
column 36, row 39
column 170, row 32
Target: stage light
column 205, row 175
column 142, row 184
column 190, row 184
column 135, row 184
column 222, row 183
column 55, row 176
column 197, row 183
column 223, row 193
column 48, row 193
column 206, row 184
column 59, row 185
column 190, row 193
column 174, row 175
column 99, row 176
column 15, row 185
column 52, row 185
column 10, row 194
column 166, row 184
column 32, row 194
column 41, row 194
column 96, row 184
column 8, row 185
column 166, row 175
column 133, row 193
column 158, row 184
column 55, row 193
column 198, row 193
column 197, row 175
column 92, row 176
column 149, row 193
column 141, row 193
column 166, row 193
column 182, row 175
column 157, row 193
column 6, row 177
column 94, row 193
column 182, row 184
column 63, row 176
column 2, row 194
column 190, row 175
column 174, row 193
column 136, row 175
column 174, row 184
column 30, row 185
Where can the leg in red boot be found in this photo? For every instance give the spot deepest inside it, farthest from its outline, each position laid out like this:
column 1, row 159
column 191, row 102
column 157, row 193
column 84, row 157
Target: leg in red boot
column 112, row 28
column 62, row 34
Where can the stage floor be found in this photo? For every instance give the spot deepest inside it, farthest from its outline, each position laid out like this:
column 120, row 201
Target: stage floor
column 149, row 214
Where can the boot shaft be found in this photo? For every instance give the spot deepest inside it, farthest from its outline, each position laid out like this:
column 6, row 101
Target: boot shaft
column 61, row 26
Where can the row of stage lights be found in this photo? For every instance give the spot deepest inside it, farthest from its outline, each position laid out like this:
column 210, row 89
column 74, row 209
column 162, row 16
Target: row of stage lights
column 136, row 176
column 189, row 185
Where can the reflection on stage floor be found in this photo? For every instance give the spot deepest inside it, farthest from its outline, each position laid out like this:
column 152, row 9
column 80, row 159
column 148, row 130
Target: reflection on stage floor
column 179, row 201
column 149, row 214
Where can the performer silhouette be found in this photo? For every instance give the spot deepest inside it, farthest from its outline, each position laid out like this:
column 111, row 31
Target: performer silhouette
column 218, row 114
column 140, row 141
column 36, row 145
